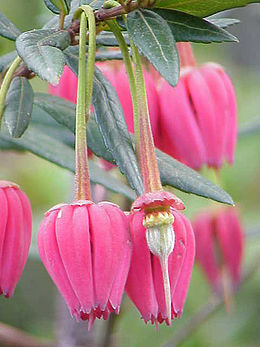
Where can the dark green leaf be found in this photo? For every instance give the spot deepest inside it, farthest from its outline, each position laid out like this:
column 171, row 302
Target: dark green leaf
column 41, row 51
column 7, row 59
column 186, row 27
column 153, row 37
column 53, row 8
column 108, row 39
column 180, row 176
column 223, row 22
column 173, row 173
column 202, row 8
column 43, row 145
column 8, row 29
column 63, row 112
column 18, row 106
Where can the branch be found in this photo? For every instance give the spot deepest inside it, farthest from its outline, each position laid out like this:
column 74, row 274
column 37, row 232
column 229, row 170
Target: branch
column 205, row 312
column 10, row 336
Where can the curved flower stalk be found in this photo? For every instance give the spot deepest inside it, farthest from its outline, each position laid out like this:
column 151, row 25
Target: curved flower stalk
column 86, row 247
column 15, row 235
column 199, row 115
column 219, row 246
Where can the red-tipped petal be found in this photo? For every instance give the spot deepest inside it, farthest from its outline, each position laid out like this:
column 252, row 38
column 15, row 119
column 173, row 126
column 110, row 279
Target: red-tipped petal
column 139, row 285
column 72, row 233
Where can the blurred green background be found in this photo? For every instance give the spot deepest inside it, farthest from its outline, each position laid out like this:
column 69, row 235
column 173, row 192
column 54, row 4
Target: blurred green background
column 33, row 306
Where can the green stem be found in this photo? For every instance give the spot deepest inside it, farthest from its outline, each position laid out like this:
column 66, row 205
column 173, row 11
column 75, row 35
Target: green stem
column 145, row 145
column 84, row 97
column 129, row 70
column 6, row 83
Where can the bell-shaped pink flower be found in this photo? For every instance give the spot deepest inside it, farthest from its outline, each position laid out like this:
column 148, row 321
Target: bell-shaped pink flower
column 15, row 235
column 146, row 281
column 198, row 117
column 86, row 249
column 219, row 245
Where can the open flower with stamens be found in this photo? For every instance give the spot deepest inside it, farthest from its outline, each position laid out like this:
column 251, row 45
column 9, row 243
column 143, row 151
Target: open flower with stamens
column 163, row 256
column 86, row 249
column 15, row 235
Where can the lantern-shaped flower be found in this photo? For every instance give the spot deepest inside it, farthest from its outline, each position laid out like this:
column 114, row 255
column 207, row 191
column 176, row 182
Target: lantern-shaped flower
column 199, row 117
column 86, row 249
column 163, row 255
column 219, row 245
column 15, row 235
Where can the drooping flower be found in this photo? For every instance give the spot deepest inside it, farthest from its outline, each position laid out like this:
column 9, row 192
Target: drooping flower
column 15, row 235
column 198, row 117
column 86, row 249
column 163, row 256
column 219, row 246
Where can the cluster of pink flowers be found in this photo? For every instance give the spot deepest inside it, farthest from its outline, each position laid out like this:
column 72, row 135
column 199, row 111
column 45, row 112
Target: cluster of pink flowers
column 93, row 252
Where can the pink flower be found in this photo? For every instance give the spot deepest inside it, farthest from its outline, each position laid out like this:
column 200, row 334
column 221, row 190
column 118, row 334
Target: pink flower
column 198, row 117
column 86, row 249
column 146, row 279
column 15, row 235
column 219, row 245
column 67, row 87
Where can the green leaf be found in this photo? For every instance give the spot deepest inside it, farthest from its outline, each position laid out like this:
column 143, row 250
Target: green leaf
column 18, row 106
column 39, row 142
column 202, row 8
column 112, row 125
column 180, row 176
column 153, row 37
column 7, row 59
column 8, row 29
column 223, row 22
column 186, row 27
column 57, row 6
column 41, row 50
column 173, row 173
column 108, row 39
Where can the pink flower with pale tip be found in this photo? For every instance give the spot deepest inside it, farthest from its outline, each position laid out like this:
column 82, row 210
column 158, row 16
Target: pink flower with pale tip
column 199, row 117
column 86, row 249
column 219, row 245
column 160, row 272
column 15, row 235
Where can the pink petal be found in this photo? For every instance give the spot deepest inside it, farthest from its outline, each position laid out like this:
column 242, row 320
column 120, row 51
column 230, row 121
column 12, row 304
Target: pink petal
column 179, row 123
column 13, row 253
column 230, row 237
column 50, row 256
column 204, row 108
column 3, row 219
column 67, row 87
column 139, row 285
column 72, row 233
column 102, row 255
column 122, row 251
column 181, row 289
column 205, row 253
column 222, row 106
